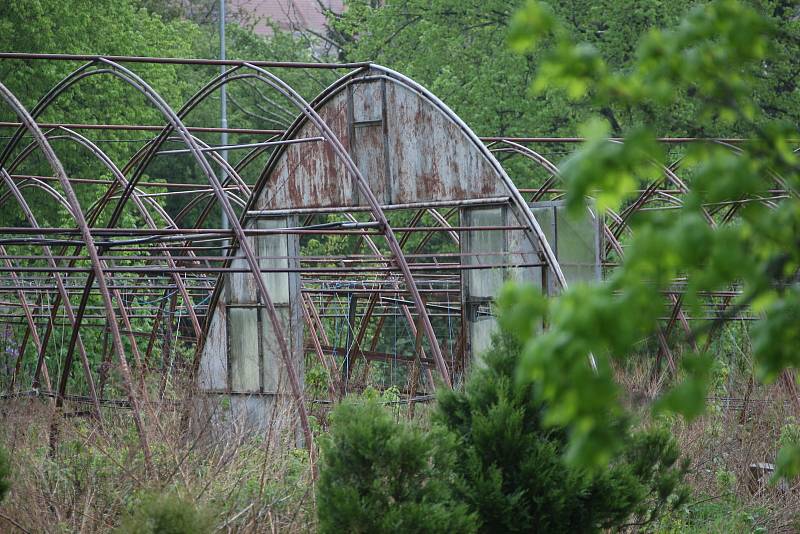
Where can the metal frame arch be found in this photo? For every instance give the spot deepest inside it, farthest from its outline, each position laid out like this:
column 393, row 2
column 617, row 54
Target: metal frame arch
column 97, row 267
column 31, row 331
column 62, row 292
column 75, row 337
column 176, row 123
column 307, row 112
column 140, row 206
column 515, row 195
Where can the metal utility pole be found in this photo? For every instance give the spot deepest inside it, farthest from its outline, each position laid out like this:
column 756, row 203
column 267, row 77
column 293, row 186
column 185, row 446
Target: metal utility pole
column 223, row 100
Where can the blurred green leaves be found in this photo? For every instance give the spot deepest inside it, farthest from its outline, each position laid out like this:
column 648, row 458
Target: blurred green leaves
column 607, row 170
column 530, row 25
column 776, row 339
column 689, row 397
column 710, row 63
column 788, row 463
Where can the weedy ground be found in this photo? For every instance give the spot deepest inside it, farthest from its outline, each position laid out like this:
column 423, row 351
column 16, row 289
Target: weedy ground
column 90, row 477
column 744, row 425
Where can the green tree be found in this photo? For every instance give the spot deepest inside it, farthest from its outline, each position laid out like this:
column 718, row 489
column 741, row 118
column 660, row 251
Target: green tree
column 167, row 514
column 511, row 466
column 377, row 475
column 488, row 461
column 457, row 48
column 713, row 62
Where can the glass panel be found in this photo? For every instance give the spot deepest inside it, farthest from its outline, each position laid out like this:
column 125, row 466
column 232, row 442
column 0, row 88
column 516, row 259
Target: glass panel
column 488, row 247
column 576, row 245
column 243, row 347
column 275, row 249
column 574, row 240
column 241, row 286
column 213, row 371
column 275, row 378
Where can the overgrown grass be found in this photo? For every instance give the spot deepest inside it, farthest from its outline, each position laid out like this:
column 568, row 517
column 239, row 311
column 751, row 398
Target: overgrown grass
column 94, row 478
column 742, row 426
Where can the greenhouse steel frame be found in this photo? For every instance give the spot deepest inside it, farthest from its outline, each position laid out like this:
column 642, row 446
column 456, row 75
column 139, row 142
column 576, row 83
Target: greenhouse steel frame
column 150, row 285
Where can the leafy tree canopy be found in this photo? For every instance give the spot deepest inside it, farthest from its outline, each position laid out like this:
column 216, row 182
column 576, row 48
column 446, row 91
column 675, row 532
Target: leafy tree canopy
column 713, row 61
column 458, row 50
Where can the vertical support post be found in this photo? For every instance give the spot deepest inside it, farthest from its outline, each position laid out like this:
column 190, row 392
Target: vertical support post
column 415, row 368
column 223, row 108
column 350, row 340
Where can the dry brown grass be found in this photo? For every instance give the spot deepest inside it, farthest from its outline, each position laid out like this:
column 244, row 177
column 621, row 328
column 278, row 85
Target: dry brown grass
column 261, row 482
column 94, row 476
column 741, row 427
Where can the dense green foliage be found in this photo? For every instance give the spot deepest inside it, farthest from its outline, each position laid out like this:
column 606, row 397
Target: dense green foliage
column 458, row 49
column 166, row 514
column 381, row 476
column 123, row 27
column 711, row 61
column 487, row 453
column 511, row 465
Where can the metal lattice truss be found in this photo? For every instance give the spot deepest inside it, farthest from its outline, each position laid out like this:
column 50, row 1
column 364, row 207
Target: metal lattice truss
column 366, row 243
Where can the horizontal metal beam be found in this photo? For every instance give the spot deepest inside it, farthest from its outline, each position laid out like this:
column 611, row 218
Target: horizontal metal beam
column 181, row 61
column 143, row 128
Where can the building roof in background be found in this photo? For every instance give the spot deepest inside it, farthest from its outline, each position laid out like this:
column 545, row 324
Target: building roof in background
column 289, row 14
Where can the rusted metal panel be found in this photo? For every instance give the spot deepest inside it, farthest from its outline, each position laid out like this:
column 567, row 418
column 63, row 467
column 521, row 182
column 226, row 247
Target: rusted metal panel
column 430, row 156
column 310, row 174
column 213, row 369
column 369, row 155
column 407, row 149
column 367, row 101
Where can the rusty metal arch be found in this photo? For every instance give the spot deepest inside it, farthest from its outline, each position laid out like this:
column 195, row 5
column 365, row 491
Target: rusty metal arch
column 233, row 193
column 31, row 218
column 516, row 197
column 150, row 222
column 373, row 205
column 108, row 164
column 97, row 267
column 81, row 73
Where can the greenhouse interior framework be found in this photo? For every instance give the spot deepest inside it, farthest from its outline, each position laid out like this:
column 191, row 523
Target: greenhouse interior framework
column 281, row 269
